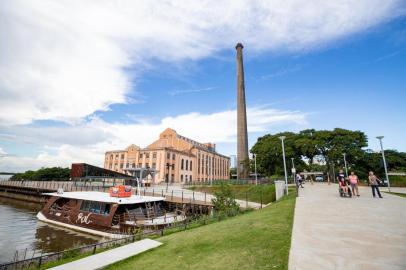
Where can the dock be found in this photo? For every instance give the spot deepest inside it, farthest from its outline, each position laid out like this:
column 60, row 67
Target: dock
column 111, row 256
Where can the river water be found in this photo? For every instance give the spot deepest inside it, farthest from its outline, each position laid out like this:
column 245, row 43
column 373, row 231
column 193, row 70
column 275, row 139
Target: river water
column 20, row 230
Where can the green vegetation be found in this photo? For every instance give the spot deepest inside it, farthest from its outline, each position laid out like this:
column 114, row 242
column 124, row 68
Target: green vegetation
column 224, row 202
column 256, row 240
column 54, row 173
column 397, row 181
column 326, row 146
column 252, row 193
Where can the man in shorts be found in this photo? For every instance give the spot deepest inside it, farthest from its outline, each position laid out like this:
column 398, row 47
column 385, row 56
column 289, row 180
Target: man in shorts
column 354, row 183
column 341, row 181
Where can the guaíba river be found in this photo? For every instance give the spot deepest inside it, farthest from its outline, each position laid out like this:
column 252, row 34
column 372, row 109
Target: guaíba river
column 20, row 230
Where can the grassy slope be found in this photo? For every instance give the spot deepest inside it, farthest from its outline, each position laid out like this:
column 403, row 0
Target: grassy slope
column 256, row 240
column 241, row 191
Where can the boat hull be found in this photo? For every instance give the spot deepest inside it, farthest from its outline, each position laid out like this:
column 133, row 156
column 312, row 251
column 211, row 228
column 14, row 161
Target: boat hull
column 43, row 218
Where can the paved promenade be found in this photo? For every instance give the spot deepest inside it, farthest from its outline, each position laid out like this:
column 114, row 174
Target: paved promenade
column 330, row 232
column 190, row 195
column 111, row 256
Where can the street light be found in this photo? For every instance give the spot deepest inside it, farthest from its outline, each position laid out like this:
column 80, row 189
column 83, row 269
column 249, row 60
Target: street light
column 345, row 164
column 284, row 163
column 384, row 160
column 255, row 166
column 294, row 177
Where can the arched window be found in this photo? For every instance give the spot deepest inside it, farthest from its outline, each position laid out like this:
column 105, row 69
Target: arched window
column 181, row 164
column 190, row 165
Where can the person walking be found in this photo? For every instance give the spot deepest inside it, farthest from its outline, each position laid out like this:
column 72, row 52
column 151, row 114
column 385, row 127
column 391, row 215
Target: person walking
column 373, row 182
column 299, row 180
column 354, row 183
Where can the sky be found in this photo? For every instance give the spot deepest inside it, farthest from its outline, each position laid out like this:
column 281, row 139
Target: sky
column 78, row 78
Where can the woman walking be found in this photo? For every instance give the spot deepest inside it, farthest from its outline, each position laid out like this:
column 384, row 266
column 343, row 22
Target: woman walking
column 373, row 181
column 354, row 183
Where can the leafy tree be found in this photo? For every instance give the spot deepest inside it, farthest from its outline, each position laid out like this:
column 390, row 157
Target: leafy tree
column 54, row 173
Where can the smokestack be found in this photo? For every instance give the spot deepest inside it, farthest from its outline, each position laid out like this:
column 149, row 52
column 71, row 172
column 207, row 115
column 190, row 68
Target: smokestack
column 242, row 136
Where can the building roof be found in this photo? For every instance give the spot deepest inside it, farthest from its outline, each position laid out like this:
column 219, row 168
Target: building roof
column 105, row 197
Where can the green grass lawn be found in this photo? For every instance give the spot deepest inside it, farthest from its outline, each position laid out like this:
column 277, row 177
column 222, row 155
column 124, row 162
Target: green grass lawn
column 397, row 181
column 252, row 192
column 255, row 240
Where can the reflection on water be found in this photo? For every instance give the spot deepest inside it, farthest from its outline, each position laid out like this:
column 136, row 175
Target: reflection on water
column 20, row 229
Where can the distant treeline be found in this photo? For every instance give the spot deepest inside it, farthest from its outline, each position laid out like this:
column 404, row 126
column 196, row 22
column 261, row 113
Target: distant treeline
column 322, row 150
column 54, row 173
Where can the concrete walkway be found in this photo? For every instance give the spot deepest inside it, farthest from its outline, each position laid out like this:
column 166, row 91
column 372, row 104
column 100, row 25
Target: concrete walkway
column 108, row 257
column 330, row 232
column 179, row 191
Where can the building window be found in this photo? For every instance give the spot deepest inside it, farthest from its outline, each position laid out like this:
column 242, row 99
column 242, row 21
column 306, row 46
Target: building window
column 168, row 156
column 181, row 164
column 187, row 164
column 146, row 155
column 181, row 177
column 122, row 156
column 190, row 166
column 127, row 165
column 121, row 165
column 147, row 165
column 154, row 155
column 173, row 156
column 133, row 165
column 185, row 178
column 111, row 156
column 116, row 156
column 139, row 165
column 140, row 155
column 153, row 165
column 172, row 178
column 190, row 178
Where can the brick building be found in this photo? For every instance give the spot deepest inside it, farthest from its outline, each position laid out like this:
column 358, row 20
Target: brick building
column 175, row 157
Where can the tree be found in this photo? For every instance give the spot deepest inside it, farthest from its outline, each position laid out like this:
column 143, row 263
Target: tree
column 224, row 202
column 324, row 145
column 54, row 173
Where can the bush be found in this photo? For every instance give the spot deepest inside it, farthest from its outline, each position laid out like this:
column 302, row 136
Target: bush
column 224, row 202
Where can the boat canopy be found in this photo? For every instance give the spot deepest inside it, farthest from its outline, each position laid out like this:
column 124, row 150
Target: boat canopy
column 104, row 197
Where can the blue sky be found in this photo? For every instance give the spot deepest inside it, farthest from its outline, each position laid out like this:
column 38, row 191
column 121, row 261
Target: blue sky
column 80, row 89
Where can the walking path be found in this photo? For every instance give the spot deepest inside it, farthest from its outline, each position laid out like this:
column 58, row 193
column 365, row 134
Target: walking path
column 108, row 257
column 330, row 232
column 188, row 194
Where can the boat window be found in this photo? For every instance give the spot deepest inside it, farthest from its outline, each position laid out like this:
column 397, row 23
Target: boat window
column 95, row 207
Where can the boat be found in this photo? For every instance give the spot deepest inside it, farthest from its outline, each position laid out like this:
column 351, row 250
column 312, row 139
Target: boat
column 114, row 214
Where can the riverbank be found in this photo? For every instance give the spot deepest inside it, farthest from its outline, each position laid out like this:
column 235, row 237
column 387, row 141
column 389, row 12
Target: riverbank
column 256, row 240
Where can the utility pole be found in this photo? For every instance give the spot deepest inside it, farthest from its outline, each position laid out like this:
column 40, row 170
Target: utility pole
column 282, row 138
column 384, row 161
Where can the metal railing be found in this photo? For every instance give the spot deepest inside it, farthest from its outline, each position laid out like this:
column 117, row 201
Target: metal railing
column 38, row 259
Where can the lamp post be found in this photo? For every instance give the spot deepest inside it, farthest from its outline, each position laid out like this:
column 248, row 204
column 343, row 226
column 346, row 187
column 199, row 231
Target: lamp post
column 282, row 138
column 384, row 160
column 167, row 175
column 255, row 167
column 345, row 164
column 294, row 177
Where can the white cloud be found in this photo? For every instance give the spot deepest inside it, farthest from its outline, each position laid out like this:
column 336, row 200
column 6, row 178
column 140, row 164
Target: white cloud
column 64, row 60
column 87, row 141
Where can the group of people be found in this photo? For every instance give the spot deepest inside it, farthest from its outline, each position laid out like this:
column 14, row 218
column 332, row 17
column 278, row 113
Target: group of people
column 353, row 183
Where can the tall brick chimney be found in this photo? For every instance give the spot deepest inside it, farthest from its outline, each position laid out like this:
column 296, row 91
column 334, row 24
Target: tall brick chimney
column 242, row 136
